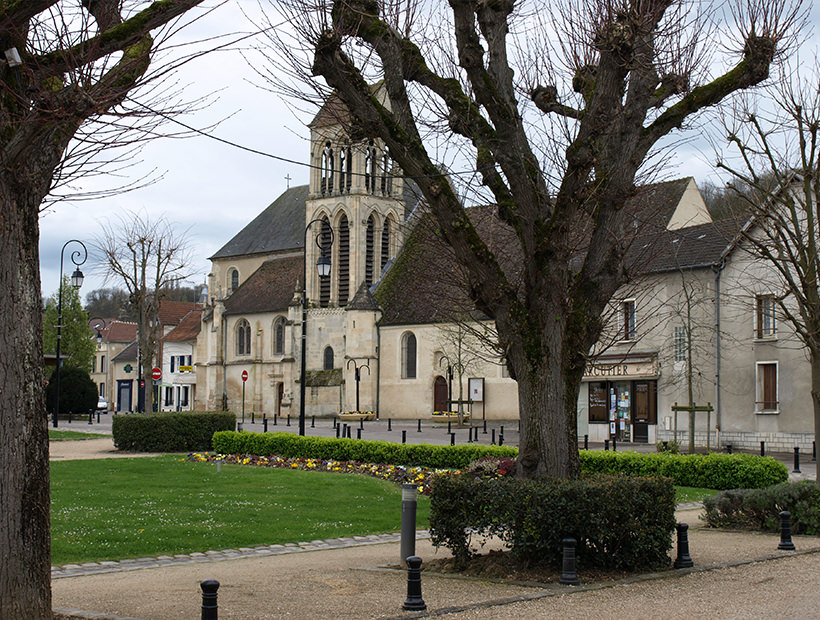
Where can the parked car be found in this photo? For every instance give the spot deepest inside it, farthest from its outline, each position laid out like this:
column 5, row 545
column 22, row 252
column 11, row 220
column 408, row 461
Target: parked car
column 102, row 404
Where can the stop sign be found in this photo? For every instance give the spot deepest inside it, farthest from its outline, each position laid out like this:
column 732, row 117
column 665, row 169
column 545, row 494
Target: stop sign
column 156, row 374
column 244, row 375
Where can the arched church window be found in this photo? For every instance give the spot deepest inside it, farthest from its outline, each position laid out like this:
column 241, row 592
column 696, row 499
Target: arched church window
column 279, row 336
column 344, row 261
column 324, row 282
column 347, row 179
column 385, row 245
column 368, row 251
column 233, row 281
column 328, row 358
column 371, row 166
column 387, row 180
column 327, row 169
column 408, row 356
column 243, row 337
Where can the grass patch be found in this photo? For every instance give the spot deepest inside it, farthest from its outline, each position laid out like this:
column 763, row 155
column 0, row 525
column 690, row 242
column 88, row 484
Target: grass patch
column 126, row 508
column 72, row 435
column 685, row 495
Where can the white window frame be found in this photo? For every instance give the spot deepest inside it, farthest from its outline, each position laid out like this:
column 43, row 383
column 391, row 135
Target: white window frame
column 764, row 313
column 759, row 392
column 628, row 334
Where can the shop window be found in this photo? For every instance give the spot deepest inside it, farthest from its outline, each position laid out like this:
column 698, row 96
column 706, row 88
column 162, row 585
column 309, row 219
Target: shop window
column 408, row 356
column 767, row 393
column 766, row 322
column 169, row 396
column 598, row 409
column 183, row 397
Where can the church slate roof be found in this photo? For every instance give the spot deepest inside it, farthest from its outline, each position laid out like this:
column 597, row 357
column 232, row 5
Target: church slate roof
column 362, row 300
column 281, row 226
column 268, row 289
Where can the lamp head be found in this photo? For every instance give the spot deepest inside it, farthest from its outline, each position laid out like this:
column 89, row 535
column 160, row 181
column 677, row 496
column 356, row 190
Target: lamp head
column 77, row 278
column 323, row 266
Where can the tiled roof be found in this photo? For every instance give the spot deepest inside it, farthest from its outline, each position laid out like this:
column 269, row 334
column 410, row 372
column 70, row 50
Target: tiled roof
column 188, row 327
column 119, row 331
column 269, row 289
column 128, row 354
column 426, row 285
column 281, row 226
column 172, row 312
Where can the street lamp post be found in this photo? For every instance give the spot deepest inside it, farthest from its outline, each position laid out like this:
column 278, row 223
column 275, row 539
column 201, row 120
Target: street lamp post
column 358, row 377
column 449, row 381
column 76, row 282
column 323, row 268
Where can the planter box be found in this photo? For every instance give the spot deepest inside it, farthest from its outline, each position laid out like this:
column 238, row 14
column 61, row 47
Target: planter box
column 357, row 416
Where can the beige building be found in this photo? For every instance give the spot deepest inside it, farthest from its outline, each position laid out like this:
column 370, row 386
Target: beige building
column 392, row 311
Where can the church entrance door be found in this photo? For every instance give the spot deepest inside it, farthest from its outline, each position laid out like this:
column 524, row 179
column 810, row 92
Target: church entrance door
column 440, row 394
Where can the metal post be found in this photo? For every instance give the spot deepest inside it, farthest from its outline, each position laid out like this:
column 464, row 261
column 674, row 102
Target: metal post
column 449, row 427
column 586, row 442
column 253, row 416
column 210, row 610
column 796, row 469
column 484, row 432
column 301, row 421
column 361, row 423
column 419, row 427
column 264, row 423
column 409, row 498
column 606, row 444
column 492, row 440
column 91, row 417
column 243, row 402
column 414, row 602
column 683, row 560
column 762, row 448
column 358, row 433
column 98, row 416
column 452, row 439
column 275, row 419
column 814, row 451
column 568, row 575
column 390, row 424
column 313, row 421
column 338, row 427
column 614, row 444
column 404, row 436
column 786, row 543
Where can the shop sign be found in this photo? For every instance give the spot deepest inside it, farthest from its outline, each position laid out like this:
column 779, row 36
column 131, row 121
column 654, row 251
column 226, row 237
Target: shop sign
column 626, row 368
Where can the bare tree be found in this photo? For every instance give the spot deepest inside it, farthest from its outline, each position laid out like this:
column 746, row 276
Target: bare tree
column 463, row 351
column 777, row 154
column 149, row 258
column 64, row 64
column 559, row 118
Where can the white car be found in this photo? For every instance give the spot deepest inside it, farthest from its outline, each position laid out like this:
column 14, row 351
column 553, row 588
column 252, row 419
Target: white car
column 102, row 405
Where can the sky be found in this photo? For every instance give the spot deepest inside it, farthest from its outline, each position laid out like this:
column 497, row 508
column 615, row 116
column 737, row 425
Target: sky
column 211, row 190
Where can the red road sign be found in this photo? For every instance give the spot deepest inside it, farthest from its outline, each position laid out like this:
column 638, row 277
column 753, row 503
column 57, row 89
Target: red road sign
column 244, row 375
column 156, row 374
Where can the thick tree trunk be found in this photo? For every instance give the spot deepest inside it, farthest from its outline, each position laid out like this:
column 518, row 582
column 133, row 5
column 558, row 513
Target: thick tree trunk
column 25, row 560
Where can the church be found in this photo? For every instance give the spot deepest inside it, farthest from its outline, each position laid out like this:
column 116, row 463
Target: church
column 390, row 331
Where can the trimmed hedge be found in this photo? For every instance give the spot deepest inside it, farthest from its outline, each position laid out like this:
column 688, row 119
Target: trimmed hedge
column 619, row 522
column 384, row 452
column 169, row 432
column 707, row 471
column 710, row 471
column 759, row 509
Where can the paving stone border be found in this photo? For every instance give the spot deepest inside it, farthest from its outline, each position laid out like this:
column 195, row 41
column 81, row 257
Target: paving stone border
column 96, row 568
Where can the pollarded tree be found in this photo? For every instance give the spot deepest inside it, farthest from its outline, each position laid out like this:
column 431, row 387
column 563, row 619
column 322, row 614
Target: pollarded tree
column 776, row 154
column 559, row 119
column 65, row 64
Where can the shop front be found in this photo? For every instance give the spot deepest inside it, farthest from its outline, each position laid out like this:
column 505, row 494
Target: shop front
column 622, row 397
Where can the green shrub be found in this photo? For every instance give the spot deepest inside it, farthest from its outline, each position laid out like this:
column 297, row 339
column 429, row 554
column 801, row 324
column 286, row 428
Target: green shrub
column 759, row 509
column 169, row 432
column 619, row 522
column 78, row 393
column 706, row 471
column 383, row 452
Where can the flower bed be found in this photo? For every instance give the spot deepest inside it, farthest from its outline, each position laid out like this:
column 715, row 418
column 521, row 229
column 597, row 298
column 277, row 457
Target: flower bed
column 357, row 415
column 422, row 476
column 448, row 416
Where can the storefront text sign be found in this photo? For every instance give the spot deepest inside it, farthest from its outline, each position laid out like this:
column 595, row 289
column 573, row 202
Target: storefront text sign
column 622, row 368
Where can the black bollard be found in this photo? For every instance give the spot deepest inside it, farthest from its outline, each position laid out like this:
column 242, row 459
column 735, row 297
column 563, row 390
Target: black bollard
column 484, row 432
column 98, row 416
column 786, row 543
column 338, row 430
column 796, row 469
column 762, row 448
column 288, row 419
column 91, row 417
column 253, row 417
column 361, row 423
column 264, row 423
column 568, row 575
column 728, row 448
column 606, row 444
column 275, row 419
column 210, row 609
column 683, row 560
column 492, row 441
column 501, row 431
column 449, row 427
column 414, row 601
column 586, row 442
column 358, row 433
column 501, row 437
column 452, row 439
column 419, row 428
column 389, row 424
column 470, row 435
column 404, row 436
column 313, row 421
column 409, row 500
column 614, row 444
column 69, row 416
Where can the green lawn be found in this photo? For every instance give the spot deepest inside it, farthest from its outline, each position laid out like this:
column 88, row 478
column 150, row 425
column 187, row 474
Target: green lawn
column 692, row 494
column 127, row 508
column 72, row 435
